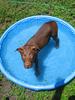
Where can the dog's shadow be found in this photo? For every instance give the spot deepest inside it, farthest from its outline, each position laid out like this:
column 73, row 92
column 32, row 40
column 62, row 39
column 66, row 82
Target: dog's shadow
column 39, row 71
column 71, row 97
column 59, row 90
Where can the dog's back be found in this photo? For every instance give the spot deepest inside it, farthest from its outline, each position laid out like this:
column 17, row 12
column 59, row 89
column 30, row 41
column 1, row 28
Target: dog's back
column 43, row 35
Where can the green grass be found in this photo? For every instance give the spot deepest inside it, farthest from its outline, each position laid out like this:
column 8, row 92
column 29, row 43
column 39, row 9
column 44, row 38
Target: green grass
column 14, row 10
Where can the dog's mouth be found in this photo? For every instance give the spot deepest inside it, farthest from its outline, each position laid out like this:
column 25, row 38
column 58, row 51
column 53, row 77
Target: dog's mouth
column 28, row 65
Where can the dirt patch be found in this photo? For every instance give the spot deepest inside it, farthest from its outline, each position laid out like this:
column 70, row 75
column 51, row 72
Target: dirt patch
column 5, row 87
column 11, row 98
column 5, row 23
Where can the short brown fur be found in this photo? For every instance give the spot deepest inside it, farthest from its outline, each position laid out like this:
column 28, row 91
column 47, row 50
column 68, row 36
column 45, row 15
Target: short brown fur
column 30, row 50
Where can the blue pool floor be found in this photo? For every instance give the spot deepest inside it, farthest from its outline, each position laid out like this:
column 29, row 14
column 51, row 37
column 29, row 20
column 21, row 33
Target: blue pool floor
column 55, row 65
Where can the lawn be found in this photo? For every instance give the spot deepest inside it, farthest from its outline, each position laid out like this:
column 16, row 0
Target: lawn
column 14, row 10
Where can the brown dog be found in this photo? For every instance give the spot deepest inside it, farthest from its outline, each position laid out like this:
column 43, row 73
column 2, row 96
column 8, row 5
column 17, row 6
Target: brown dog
column 30, row 50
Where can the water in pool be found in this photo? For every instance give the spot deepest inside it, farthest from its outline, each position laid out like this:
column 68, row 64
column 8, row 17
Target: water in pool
column 55, row 64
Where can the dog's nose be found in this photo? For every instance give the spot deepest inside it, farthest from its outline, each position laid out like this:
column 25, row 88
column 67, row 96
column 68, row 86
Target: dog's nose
column 28, row 65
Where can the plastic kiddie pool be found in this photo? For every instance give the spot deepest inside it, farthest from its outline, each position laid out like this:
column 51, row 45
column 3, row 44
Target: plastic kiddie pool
column 57, row 66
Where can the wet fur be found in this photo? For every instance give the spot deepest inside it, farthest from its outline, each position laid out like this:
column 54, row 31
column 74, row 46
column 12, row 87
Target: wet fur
column 38, row 41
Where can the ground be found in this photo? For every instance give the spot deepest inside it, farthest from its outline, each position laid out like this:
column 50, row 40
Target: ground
column 14, row 10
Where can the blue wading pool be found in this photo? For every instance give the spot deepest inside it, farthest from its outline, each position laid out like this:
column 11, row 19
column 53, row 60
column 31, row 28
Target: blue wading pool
column 57, row 66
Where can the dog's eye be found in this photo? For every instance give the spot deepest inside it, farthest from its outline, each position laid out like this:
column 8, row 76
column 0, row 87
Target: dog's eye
column 23, row 57
column 24, row 54
column 31, row 56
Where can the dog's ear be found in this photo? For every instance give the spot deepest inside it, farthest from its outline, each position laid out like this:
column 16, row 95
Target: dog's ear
column 21, row 49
